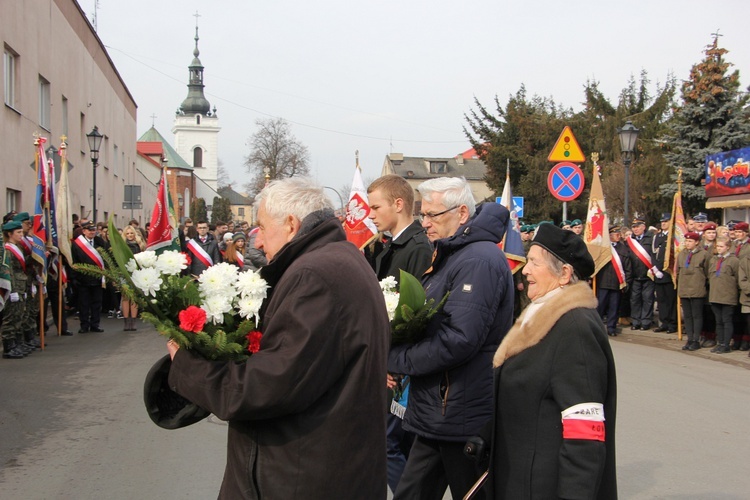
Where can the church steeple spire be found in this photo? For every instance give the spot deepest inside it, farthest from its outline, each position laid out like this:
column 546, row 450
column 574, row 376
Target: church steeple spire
column 195, row 102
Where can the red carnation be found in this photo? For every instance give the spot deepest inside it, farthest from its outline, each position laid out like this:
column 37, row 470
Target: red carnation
column 192, row 319
column 253, row 341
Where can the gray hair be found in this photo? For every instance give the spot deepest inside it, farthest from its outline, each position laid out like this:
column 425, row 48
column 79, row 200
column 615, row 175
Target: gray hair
column 556, row 266
column 455, row 190
column 297, row 196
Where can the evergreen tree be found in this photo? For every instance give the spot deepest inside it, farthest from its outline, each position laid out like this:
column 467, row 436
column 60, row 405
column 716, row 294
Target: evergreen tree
column 198, row 210
column 713, row 118
column 222, row 210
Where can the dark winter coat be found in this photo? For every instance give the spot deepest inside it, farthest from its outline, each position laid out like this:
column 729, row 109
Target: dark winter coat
column 660, row 254
column 411, row 252
column 211, row 248
column 559, row 359
column 451, row 383
column 691, row 280
column 81, row 257
column 305, row 412
column 640, row 271
column 606, row 278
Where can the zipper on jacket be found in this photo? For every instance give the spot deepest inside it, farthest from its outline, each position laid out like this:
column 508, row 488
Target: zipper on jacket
column 445, row 386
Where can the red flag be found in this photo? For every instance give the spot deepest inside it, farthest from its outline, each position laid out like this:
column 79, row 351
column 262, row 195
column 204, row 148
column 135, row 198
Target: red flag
column 359, row 229
column 163, row 233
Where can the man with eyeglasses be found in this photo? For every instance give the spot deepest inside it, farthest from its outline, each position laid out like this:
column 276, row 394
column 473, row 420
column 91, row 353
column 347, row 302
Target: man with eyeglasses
column 451, row 369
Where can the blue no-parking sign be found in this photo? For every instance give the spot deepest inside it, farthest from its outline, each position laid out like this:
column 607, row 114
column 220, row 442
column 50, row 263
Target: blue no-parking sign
column 565, row 181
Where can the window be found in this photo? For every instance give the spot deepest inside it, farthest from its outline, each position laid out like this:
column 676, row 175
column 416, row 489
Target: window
column 197, row 119
column 197, row 158
column 65, row 116
column 241, row 211
column 438, row 167
column 10, row 59
column 44, row 103
column 84, row 139
column 12, row 200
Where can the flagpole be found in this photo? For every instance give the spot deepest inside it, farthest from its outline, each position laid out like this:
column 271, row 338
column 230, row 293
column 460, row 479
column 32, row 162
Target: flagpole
column 60, row 292
column 40, row 292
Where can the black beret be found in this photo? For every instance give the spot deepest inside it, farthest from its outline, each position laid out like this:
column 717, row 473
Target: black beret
column 566, row 246
column 166, row 408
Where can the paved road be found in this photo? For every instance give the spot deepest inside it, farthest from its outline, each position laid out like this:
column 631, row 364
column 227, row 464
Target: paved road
column 73, row 425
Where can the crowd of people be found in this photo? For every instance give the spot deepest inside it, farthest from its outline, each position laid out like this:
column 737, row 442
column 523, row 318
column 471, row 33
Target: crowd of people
column 711, row 278
column 512, row 388
column 91, row 297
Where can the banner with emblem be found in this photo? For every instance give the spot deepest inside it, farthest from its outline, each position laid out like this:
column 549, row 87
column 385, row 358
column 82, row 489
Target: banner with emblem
column 164, row 233
column 359, row 229
column 677, row 231
column 596, row 235
column 38, row 232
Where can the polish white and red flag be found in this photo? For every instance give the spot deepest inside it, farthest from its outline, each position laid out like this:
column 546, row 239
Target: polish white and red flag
column 359, row 229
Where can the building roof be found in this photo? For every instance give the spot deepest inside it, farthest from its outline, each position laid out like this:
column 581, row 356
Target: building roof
column 234, row 197
column 412, row 167
column 174, row 160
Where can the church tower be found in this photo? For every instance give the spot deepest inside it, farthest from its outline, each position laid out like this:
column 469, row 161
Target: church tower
column 196, row 131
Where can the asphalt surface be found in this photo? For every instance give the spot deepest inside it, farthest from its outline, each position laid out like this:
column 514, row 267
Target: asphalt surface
column 73, row 423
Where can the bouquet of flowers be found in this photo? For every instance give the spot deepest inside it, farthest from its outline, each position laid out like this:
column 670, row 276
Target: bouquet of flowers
column 408, row 308
column 214, row 316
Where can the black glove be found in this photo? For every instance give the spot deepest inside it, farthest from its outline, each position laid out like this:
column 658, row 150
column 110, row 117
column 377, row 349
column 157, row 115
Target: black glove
column 477, row 449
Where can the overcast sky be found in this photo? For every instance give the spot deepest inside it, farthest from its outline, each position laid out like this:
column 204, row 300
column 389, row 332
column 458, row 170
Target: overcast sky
column 395, row 76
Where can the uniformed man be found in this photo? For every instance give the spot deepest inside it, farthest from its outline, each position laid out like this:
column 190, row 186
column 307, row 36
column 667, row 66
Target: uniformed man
column 13, row 314
column 611, row 280
column 89, row 288
column 666, row 295
column 33, row 284
column 642, row 291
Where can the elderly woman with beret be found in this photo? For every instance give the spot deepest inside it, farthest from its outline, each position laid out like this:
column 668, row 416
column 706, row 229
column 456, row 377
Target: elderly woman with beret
column 553, row 434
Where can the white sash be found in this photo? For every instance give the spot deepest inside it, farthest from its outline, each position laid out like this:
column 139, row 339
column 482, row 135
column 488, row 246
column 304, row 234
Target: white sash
column 83, row 244
column 18, row 253
column 199, row 253
column 640, row 252
column 617, row 265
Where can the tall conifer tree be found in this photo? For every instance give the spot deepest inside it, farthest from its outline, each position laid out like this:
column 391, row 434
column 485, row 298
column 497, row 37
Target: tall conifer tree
column 713, row 118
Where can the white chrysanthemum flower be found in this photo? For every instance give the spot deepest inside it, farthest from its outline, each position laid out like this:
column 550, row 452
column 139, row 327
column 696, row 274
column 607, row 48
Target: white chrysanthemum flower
column 146, row 259
column 249, row 307
column 250, row 284
column 391, row 303
column 215, row 307
column 148, row 280
column 218, row 279
column 131, row 266
column 171, row 262
column 388, row 284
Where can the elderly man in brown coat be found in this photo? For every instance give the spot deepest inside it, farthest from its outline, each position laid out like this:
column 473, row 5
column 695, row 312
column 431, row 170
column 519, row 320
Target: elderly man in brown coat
column 306, row 411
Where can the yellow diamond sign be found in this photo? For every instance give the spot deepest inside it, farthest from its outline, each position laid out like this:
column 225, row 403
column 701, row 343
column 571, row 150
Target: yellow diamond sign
column 567, row 148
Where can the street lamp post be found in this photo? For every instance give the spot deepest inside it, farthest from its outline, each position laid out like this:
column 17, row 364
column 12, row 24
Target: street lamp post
column 95, row 140
column 628, row 136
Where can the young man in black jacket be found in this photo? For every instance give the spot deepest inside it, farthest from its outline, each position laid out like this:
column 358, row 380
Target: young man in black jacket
column 391, row 201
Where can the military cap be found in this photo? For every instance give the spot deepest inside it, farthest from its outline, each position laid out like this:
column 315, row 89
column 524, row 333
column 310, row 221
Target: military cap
column 700, row 217
column 665, row 217
column 21, row 216
column 88, row 225
column 614, row 228
column 576, row 222
column 12, row 225
column 693, row 236
column 710, row 226
column 742, row 226
column 637, row 221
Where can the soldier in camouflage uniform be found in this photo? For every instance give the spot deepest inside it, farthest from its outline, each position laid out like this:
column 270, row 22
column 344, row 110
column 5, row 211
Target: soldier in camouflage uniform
column 33, row 286
column 14, row 311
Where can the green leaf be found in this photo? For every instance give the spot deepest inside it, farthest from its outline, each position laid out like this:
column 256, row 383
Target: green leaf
column 120, row 249
column 411, row 294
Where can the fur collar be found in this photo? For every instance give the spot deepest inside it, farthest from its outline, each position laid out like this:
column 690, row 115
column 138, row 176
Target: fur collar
column 521, row 337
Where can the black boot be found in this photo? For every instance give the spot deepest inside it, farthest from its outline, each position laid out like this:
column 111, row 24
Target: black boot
column 10, row 351
column 132, row 324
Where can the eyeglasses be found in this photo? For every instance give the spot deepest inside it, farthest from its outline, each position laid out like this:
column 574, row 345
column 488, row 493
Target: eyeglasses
column 424, row 217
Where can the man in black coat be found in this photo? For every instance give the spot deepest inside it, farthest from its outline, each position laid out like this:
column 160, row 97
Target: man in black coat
column 203, row 250
column 666, row 295
column 609, row 290
column 88, row 288
column 391, row 201
column 642, row 291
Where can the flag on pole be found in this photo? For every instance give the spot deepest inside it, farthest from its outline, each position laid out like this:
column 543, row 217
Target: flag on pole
column 39, row 232
column 359, row 229
column 676, row 236
column 512, row 244
column 163, row 234
column 596, row 235
column 62, row 208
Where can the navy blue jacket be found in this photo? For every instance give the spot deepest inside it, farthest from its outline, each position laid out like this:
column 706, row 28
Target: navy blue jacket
column 451, row 369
